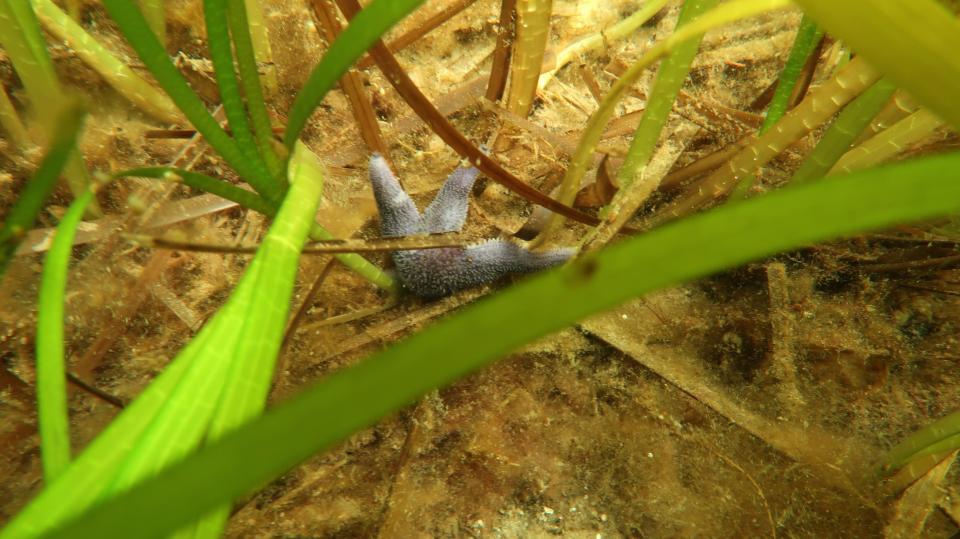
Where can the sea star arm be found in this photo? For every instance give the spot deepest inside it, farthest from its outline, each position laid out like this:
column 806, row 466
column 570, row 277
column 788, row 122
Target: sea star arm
column 500, row 257
column 448, row 211
column 441, row 272
column 398, row 213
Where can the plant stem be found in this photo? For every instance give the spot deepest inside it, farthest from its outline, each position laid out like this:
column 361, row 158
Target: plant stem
column 533, row 29
column 818, row 107
column 808, row 35
column 890, row 142
column 604, row 37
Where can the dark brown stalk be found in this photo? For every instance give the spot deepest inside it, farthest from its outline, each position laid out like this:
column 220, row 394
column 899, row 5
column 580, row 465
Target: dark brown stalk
column 766, row 96
column 587, row 75
column 501, row 54
column 407, row 243
column 928, row 264
column 425, row 28
column 351, row 82
column 806, row 76
column 95, row 391
column 705, row 164
column 298, row 317
column 456, row 140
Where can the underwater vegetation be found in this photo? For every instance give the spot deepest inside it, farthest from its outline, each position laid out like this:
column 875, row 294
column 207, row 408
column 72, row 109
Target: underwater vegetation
column 647, row 187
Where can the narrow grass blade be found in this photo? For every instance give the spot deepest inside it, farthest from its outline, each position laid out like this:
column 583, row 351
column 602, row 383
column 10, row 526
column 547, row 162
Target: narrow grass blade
column 854, row 118
column 358, row 396
column 941, row 435
column 10, row 121
column 134, row 27
column 80, row 485
column 252, row 90
column 174, row 413
column 914, row 42
column 21, row 39
column 24, row 212
column 363, row 31
column 247, row 199
column 52, row 416
column 218, row 40
column 670, row 77
column 357, row 263
column 808, row 35
column 116, row 72
column 261, row 44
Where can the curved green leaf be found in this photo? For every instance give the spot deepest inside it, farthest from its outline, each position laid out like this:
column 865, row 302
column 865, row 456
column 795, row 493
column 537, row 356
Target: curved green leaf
column 54, row 423
column 184, row 405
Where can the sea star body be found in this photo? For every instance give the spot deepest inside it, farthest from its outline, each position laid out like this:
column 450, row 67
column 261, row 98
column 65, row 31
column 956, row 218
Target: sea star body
column 434, row 273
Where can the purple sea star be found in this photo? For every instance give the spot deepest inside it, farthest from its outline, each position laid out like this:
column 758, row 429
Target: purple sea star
column 434, row 273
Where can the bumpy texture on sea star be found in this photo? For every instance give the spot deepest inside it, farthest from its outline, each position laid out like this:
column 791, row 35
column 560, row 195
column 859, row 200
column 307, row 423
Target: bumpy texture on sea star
column 434, row 273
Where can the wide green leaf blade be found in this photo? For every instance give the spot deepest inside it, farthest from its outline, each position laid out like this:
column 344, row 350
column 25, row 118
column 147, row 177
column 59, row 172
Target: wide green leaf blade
column 914, row 42
column 174, row 413
column 358, row 396
column 248, row 378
